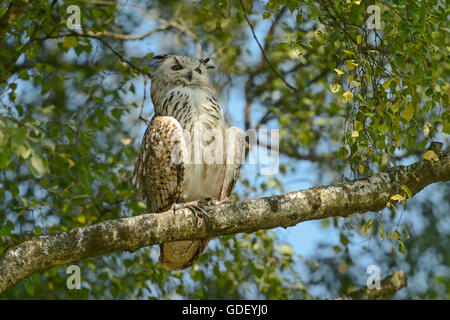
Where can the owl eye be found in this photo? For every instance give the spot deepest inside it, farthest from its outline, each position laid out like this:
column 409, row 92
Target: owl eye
column 176, row 67
column 198, row 70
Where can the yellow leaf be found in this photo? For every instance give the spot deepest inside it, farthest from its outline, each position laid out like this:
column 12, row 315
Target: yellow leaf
column 349, row 52
column 361, row 168
column 367, row 226
column 141, row 204
column 430, row 155
column 81, row 219
column 395, row 108
column 382, row 233
column 359, row 39
column 383, row 128
column 408, row 113
column 398, row 197
column 339, row 72
column 407, row 191
column 361, row 97
column 358, row 125
column 335, row 87
column 384, row 159
column 350, row 65
column 355, row 134
column 350, row 78
column 347, row 96
column 125, row 141
column 356, row 83
column 387, row 84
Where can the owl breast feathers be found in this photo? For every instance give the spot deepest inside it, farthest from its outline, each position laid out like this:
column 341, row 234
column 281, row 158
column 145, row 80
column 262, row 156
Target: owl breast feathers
column 187, row 153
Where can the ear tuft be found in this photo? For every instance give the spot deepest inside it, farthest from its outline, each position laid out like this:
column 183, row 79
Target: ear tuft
column 161, row 57
column 205, row 62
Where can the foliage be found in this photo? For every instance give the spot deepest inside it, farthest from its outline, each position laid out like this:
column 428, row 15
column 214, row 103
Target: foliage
column 70, row 129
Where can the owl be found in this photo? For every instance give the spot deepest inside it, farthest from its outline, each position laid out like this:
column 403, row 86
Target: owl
column 187, row 153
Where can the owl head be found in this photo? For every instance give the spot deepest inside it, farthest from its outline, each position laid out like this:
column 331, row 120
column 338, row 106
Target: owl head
column 184, row 71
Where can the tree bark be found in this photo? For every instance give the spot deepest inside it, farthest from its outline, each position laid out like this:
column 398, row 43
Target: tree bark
column 388, row 287
column 358, row 196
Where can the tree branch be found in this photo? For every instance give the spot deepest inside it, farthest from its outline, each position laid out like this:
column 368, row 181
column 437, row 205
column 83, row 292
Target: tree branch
column 389, row 286
column 263, row 52
column 358, row 196
column 15, row 8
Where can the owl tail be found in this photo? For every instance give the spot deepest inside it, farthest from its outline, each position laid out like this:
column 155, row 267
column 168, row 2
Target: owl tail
column 181, row 254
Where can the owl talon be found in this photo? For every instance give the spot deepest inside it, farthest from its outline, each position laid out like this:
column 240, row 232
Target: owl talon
column 176, row 206
column 215, row 202
column 195, row 208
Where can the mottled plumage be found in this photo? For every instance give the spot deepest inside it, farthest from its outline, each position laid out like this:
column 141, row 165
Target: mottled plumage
column 167, row 170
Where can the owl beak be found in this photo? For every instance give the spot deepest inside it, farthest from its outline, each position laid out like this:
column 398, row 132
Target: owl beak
column 190, row 75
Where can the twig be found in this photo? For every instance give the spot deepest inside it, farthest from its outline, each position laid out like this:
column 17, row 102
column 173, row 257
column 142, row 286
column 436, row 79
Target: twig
column 114, row 51
column 15, row 8
column 26, row 45
column 122, row 36
column 187, row 31
column 143, row 101
column 263, row 52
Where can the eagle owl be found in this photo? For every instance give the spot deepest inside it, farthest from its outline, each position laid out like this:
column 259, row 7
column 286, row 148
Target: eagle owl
column 168, row 169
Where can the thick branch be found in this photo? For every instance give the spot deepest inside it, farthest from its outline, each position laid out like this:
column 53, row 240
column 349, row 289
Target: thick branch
column 388, row 287
column 370, row 194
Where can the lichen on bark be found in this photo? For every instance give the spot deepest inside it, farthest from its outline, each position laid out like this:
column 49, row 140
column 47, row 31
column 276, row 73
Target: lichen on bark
column 130, row 234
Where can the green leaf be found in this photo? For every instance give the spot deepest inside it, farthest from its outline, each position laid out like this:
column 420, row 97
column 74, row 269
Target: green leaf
column 29, row 287
column 266, row 15
column 70, row 42
column 383, row 128
column 14, row 189
column 446, row 128
column 344, row 240
column 23, row 151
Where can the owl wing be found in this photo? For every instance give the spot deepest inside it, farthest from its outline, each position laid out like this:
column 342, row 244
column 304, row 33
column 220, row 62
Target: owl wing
column 159, row 170
column 235, row 153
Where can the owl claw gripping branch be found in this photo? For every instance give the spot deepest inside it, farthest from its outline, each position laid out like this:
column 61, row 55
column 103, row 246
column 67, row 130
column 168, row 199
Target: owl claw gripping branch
column 183, row 97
